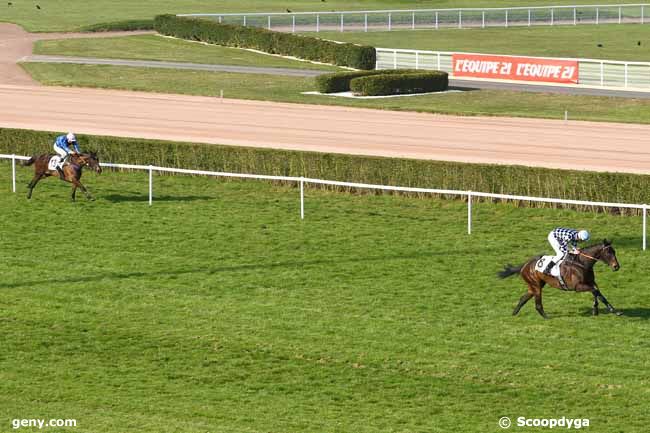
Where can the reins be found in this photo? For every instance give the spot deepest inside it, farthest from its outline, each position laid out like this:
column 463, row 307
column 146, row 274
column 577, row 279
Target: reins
column 593, row 258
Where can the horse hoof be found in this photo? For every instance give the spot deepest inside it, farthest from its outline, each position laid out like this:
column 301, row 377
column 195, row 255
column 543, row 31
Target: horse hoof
column 619, row 313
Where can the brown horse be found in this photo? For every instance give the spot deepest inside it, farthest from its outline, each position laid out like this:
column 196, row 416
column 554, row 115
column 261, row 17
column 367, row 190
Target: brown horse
column 577, row 271
column 71, row 171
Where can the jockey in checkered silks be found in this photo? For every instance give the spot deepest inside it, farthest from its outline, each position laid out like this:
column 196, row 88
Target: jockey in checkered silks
column 560, row 238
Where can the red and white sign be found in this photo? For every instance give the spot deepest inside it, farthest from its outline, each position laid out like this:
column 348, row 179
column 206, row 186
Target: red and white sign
column 515, row 68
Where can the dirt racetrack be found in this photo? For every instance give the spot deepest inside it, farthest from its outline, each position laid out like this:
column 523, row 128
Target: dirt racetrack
column 536, row 142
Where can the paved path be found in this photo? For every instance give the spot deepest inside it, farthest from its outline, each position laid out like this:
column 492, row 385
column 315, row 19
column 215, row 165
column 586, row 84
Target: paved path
column 175, row 65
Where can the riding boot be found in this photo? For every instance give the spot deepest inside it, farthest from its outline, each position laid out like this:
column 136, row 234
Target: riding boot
column 550, row 265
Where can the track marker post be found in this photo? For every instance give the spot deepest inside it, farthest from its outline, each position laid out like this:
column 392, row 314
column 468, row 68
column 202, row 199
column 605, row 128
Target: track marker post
column 302, row 198
column 150, row 185
column 13, row 173
column 469, row 212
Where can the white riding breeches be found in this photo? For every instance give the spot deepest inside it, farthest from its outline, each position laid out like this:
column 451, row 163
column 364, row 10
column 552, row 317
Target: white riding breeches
column 60, row 151
column 559, row 255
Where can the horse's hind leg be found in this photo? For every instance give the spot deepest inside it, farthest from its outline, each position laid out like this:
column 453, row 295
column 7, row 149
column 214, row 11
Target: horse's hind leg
column 594, row 309
column 522, row 301
column 32, row 184
column 538, row 304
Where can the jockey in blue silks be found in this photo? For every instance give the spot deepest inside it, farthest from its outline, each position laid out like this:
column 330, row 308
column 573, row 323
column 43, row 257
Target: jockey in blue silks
column 560, row 239
column 62, row 146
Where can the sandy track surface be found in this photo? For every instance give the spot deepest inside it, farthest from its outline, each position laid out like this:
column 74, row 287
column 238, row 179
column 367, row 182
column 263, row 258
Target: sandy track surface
column 548, row 143
column 583, row 145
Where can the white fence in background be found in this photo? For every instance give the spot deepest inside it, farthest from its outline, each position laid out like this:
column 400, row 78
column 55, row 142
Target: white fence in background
column 383, row 20
column 591, row 72
column 304, row 180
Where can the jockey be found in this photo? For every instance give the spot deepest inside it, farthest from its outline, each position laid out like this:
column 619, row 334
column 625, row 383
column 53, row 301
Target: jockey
column 560, row 238
column 62, row 146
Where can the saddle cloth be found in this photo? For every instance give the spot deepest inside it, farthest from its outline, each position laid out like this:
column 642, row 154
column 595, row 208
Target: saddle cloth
column 541, row 264
column 54, row 162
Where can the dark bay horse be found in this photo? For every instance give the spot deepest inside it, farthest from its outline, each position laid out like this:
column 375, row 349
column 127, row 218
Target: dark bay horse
column 577, row 272
column 71, row 171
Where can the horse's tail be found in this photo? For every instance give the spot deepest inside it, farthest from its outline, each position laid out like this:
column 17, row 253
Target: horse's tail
column 29, row 162
column 509, row 270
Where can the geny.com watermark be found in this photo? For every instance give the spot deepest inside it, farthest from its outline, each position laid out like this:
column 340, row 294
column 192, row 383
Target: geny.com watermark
column 42, row 423
column 567, row 423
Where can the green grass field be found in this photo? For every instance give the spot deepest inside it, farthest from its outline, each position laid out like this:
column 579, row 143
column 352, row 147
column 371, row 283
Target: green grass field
column 618, row 42
column 156, row 47
column 69, row 15
column 288, row 89
column 217, row 309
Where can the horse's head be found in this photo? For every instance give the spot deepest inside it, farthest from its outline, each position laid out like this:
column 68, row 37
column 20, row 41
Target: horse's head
column 607, row 255
column 91, row 160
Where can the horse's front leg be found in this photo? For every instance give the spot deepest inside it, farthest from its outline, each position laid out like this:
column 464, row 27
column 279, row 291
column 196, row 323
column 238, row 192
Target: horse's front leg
column 76, row 184
column 594, row 309
column 609, row 306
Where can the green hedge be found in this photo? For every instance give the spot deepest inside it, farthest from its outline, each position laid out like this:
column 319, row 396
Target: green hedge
column 126, row 25
column 607, row 187
column 399, row 84
column 304, row 47
column 340, row 81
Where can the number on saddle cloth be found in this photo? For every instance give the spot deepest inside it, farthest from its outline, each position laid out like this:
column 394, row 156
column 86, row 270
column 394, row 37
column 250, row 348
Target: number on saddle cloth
column 54, row 162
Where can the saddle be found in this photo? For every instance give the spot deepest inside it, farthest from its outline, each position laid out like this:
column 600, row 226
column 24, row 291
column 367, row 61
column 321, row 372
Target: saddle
column 542, row 263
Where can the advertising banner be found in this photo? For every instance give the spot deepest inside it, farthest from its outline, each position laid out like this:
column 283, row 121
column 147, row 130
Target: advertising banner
column 515, row 68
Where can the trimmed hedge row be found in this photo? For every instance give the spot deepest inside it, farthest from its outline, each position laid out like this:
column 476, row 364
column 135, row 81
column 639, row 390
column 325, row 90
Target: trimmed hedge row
column 304, row 47
column 541, row 182
column 126, row 25
column 340, row 81
column 400, row 84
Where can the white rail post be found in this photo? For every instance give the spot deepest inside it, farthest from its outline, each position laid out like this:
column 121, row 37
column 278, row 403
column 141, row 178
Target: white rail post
column 293, row 24
column 602, row 74
column 244, row 20
column 626, row 75
column 390, row 23
column 552, row 16
column 13, row 173
column 483, row 19
column 394, row 59
column 417, row 60
column 469, row 212
column 302, row 198
column 575, row 18
column 506, row 17
column 438, row 61
column 269, row 22
column 341, row 23
column 597, row 15
column 642, row 14
column 365, row 23
column 413, row 22
column 436, row 20
column 528, row 17
column 460, row 19
column 317, row 23
column 645, row 211
column 219, row 19
column 619, row 14
column 150, row 185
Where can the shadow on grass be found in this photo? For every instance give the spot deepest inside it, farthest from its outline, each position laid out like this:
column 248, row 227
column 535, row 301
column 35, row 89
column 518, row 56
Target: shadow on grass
column 236, row 268
column 641, row 313
column 120, row 198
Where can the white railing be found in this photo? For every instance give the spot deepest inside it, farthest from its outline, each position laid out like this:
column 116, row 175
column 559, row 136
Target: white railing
column 435, row 18
column 303, row 180
column 591, row 72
